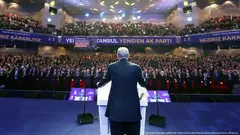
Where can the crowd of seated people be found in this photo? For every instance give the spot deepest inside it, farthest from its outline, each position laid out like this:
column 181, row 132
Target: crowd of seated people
column 214, row 24
column 23, row 24
column 119, row 29
column 177, row 74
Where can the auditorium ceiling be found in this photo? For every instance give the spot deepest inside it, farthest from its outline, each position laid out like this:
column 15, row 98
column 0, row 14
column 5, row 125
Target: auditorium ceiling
column 81, row 7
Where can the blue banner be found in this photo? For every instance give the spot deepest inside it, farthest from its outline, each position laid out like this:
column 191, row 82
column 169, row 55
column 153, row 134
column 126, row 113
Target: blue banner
column 225, row 36
column 67, row 40
column 93, row 41
column 27, row 37
column 111, row 40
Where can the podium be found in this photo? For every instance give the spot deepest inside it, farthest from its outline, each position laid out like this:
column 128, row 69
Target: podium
column 102, row 99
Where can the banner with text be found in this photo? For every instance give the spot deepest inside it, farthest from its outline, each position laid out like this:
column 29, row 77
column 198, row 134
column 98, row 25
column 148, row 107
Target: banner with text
column 88, row 94
column 111, row 40
column 212, row 37
column 79, row 94
column 81, row 43
column 136, row 40
column 93, row 41
column 78, row 41
column 27, row 37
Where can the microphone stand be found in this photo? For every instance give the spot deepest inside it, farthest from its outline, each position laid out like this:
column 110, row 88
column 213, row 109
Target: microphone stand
column 85, row 118
column 84, row 101
column 95, row 100
column 157, row 102
column 157, row 120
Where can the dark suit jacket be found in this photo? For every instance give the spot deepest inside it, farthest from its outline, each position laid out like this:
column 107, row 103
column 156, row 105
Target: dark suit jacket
column 123, row 103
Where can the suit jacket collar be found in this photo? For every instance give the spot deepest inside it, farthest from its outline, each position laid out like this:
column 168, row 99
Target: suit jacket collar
column 123, row 60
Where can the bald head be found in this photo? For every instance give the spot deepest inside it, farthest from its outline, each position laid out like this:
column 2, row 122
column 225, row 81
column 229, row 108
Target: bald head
column 123, row 52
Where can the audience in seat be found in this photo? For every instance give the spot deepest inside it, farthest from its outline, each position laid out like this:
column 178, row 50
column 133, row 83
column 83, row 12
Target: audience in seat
column 228, row 22
column 23, row 24
column 119, row 29
column 206, row 74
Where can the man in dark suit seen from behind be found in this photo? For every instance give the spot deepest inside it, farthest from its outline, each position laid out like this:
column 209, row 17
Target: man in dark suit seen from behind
column 123, row 95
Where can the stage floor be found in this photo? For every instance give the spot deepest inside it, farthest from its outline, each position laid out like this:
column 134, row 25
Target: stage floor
column 56, row 117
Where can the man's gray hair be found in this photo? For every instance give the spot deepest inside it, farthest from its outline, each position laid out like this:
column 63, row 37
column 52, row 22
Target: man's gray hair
column 123, row 52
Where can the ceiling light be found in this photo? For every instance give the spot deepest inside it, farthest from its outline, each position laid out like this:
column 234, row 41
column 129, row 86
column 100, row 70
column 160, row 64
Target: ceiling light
column 112, row 7
column 120, row 18
column 185, row 3
column 95, row 9
column 117, row 2
column 123, row 15
column 115, row 18
column 134, row 18
column 139, row 11
column 52, row 3
column 132, row 4
column 102, row 3
column 138, row 17
column 49, row 19
column 80, row 4
column 87, row 14
column 127, row 3
column 120, row 11
column 189, row 19
column 151, row 5
column 111, row 10
column 104, row 19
